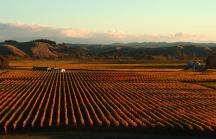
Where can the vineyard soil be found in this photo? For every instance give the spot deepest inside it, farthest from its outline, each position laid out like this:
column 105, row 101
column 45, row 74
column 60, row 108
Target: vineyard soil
column 144, row 103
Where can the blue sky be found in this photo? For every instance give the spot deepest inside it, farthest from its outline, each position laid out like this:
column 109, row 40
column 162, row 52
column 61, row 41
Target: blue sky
column 131, row 17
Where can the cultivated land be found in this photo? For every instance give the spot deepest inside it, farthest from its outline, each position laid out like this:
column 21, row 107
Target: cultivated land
column 103, row 102
column 99, row 66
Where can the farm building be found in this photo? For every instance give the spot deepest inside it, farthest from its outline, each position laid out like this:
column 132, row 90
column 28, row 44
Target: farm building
column 195, row 66
column 3, row 62
column 57, row 70
column 48, row 69
column 40, row 68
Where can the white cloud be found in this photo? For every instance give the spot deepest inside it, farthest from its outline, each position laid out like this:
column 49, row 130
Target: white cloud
column 25, row 32
column 71, row 33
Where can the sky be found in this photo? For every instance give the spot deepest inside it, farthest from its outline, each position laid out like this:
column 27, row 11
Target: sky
column 109, row 21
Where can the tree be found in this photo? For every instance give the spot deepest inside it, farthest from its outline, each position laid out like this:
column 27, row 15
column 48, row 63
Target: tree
column 4, row 62
column 46, row 41
column 211, row 61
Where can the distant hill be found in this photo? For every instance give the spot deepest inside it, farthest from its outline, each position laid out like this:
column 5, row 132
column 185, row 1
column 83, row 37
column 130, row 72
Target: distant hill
column 12, row 51
column 32, row 49
column 46, row 49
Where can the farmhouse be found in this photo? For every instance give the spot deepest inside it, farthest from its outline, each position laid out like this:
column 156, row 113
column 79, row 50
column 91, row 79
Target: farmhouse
column 57, row 70
column 194, row 65
column 48, row 69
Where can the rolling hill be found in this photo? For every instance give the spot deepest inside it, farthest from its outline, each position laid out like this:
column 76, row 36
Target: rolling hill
column 12, row 51
column 46, row 49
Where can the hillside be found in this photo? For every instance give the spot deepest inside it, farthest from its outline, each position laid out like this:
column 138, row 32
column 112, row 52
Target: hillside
column 12, row 51
column 33, row 49
column 37, row 49
column 46, row 49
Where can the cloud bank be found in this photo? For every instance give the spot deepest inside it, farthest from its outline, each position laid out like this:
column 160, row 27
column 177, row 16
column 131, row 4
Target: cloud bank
column 25, row 32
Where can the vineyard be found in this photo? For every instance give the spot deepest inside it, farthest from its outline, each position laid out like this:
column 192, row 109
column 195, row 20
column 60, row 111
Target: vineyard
column 148, row 101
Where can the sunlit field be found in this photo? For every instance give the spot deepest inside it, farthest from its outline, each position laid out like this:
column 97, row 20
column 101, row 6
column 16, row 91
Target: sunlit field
column 76, row 65
column 106, row 99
